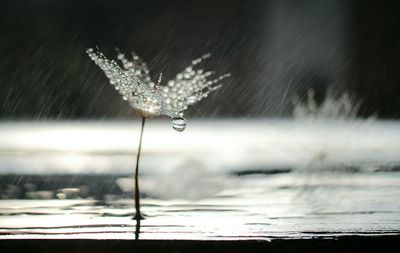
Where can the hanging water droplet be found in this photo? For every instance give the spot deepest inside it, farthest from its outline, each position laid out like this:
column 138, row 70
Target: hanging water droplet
column 178, row 124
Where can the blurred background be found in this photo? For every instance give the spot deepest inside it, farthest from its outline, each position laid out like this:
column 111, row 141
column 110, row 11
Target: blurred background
column 275, row 51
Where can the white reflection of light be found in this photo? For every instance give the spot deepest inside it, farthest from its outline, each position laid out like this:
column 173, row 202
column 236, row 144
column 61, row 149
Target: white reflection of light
column 74, row 162
column 218, row 144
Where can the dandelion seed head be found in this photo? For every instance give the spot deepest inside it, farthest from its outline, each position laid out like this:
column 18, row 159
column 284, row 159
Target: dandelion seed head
column 135, row 85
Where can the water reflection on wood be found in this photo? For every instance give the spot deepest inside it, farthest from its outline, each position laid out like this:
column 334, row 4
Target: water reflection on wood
column 267, row 207
column 261, row 180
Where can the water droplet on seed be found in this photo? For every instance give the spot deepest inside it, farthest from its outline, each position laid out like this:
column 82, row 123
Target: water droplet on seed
column 178, row 124
column 191, row 100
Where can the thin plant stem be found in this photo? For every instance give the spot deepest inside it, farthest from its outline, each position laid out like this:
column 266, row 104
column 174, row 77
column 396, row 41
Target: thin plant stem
column 137, row 231
column 138, row 215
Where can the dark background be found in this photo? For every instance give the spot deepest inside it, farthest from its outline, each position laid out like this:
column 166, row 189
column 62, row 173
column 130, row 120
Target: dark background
column 273, row 49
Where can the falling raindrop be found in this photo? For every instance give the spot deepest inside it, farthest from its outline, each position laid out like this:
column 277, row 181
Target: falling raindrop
column 178, row 124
